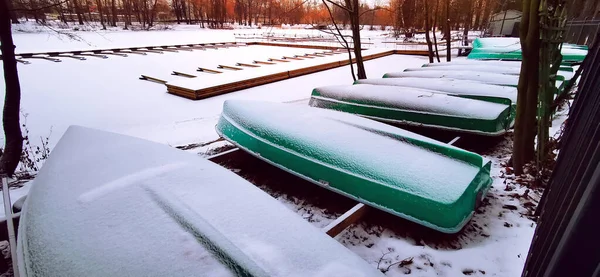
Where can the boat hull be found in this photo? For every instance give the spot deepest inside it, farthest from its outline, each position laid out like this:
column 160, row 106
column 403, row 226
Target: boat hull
column 418, row 107
column 335, row 150
column 110, row 205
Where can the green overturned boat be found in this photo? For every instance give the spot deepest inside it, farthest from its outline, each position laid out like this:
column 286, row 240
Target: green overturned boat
column 377, row 164
column 418, row 107
column 482, row 77
column 510, row 49
column 461, row 88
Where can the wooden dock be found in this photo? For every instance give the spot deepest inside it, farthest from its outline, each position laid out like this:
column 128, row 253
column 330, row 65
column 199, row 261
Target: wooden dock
column 196, row 94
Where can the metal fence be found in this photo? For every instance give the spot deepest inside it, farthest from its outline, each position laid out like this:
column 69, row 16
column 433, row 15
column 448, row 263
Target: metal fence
column 582, row 32
column 566, row 241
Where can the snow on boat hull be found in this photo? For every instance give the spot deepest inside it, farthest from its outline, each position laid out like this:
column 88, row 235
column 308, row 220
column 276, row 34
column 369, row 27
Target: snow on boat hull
column 418, row 107
column 462, row 88
column 483, row 77
column 382, row 166
column 480, row 68
column 110, row 205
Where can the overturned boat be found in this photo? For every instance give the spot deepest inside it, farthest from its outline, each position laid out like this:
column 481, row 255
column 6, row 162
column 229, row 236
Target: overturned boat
column 482, row 77
column 110, row 205
column 462, row 88
column 418, row 107
column 510, row 70
column 510, row 49
column 377, row 164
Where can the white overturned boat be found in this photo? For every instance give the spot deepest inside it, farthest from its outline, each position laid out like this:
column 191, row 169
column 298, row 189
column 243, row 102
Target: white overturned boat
column 111, row 205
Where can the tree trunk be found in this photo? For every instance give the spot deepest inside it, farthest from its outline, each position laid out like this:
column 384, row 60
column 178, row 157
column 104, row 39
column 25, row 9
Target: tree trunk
column 468, row 22
column 114, row 13
column 10, row 116
column 478, row 12
column 523, row 146
column 447, row 30
column 435, row 17
column 355, row 25
column 427, row 30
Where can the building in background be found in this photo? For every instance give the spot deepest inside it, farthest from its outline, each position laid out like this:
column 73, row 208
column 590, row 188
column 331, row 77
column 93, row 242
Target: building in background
column 505, row 24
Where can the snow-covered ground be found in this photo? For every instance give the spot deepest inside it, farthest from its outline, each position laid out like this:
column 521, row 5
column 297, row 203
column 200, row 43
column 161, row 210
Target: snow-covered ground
column 106, row 94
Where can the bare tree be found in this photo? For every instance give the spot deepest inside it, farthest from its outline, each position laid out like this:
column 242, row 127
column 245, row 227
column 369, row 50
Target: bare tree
column 523, row 146
column 427, row 30
column 10, row 116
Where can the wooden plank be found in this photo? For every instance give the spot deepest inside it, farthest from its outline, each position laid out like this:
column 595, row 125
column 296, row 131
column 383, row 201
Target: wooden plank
column 278, row 60
column 116, row 54
column 45, row 58
column 94, row 55
column 165, row 49
column 454, row 140
column 73, row 57
column 229, row 67
column 344, row 221
column 202, row 69
column 177, row 73
column 136, row 52
column 152, row 79
column 23, row 61
column 261, row 62
column 150, row 51
column 247, row 65
column 292, row 58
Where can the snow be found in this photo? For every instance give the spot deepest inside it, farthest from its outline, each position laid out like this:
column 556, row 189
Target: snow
column 447, row 85
column 411, row 99
column 182, row 204
column 106, row 93
column 488, row 78
column 481, row 68
column 211, row 80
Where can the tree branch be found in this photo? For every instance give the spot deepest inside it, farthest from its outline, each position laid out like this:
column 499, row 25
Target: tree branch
column 373, row 10
column 342, row 38
column 338, row 5
column 41, row 8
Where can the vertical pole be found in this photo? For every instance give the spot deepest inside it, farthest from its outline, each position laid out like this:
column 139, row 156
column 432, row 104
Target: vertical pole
column 10, row 225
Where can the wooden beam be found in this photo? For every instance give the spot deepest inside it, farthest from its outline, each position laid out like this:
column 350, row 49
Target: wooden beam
column 23, row 61
column 165, row 49
column 116, row 54
column 278, row 60
column 229, row 67
column 261, row 62
column 73, row 57
column 292, row 58
column 94, row 55
column 45, row 58
column 136, row 52
column 344, row 221
column 202, row 69
column 151, row 51
column 177, row 73
column 152, row 79
column 247, row 65
column 454, row 140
